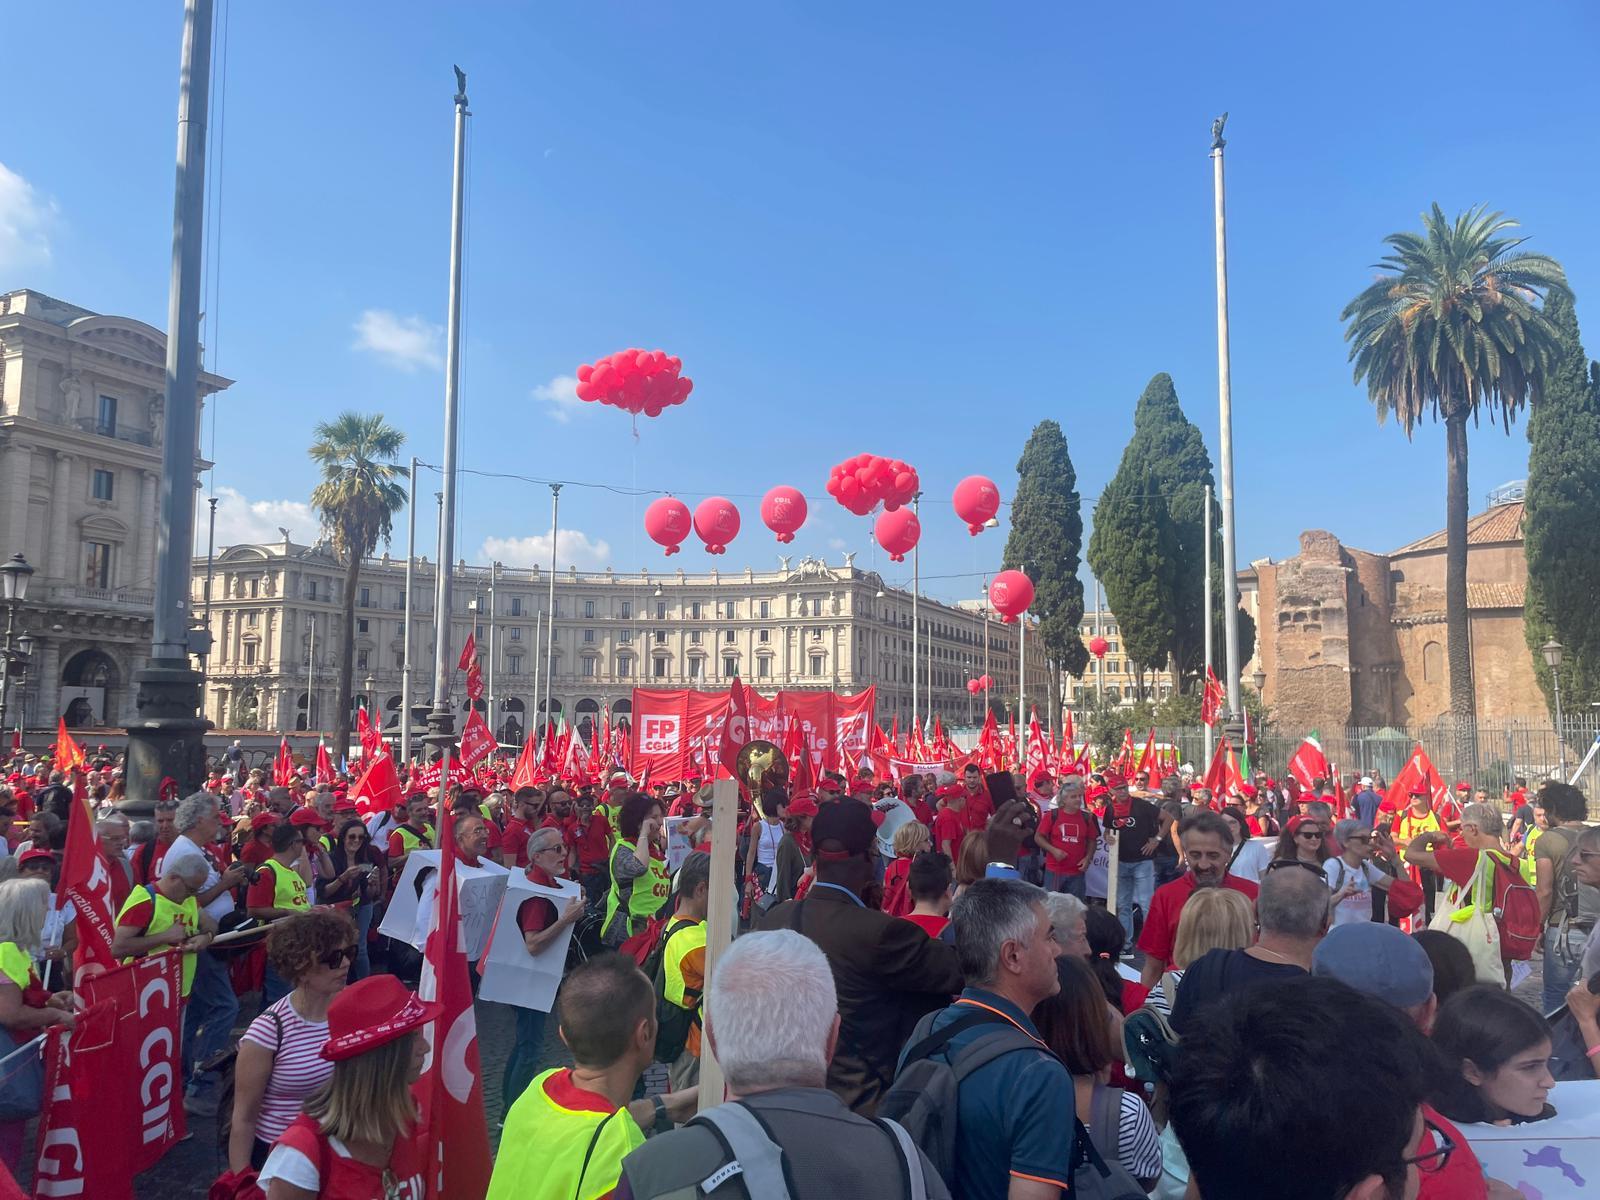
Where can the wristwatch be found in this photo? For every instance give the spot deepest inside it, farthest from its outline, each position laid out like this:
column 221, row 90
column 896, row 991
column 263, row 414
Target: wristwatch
column 662, row 1123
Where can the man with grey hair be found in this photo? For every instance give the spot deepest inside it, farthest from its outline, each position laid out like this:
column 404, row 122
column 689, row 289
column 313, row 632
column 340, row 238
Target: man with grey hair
column 213, row 1005
column 165, row 914
column 772, row 1018
column 1481, row 829
column 1292, row 914
column 1013, row 1138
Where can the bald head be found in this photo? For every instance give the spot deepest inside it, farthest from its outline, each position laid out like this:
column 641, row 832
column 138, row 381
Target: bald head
column 1293, row 902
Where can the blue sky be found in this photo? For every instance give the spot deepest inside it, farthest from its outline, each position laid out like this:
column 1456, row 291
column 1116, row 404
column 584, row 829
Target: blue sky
column 907, row 229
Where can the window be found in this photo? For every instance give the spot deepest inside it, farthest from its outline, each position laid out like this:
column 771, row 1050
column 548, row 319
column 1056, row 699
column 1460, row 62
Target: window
column 106, row 417
column 361, row 625
column 627, row 610
column 658, row 669
column 696, row 668
column 763, row 668
column 694, row 610
column 661, row 637
column 103, row 483
column 766, row 610
column 588, row 609
column 625, row 636
column 311, row 589
column 764, row 636
column 816, row 664
column 365, row 600
column 254, row 620
column 255, row 588
column 588, row 636
column 661, row 610
column 249, row 654
column 728, row 636
column 97, row 564
column 361, row 660
column 588, row 667
column 399, row 660
column 516, row 606
column 514, row 665
column 730, row 667
column 477, row 632
column 516, row 633
column 816, row 606
column 694, row 638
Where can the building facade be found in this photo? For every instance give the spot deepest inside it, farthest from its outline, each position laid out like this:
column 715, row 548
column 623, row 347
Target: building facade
column 1112, row 677
column 275, row 612
column 81, row 417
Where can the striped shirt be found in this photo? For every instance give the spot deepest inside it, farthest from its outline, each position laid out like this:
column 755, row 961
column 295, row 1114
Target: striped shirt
column 1138, row 1143
column 298, row 1068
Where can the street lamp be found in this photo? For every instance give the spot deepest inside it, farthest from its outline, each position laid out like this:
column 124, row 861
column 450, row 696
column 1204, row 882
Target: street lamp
column 1553, row 652
column 14, row 576
column 1259, row 678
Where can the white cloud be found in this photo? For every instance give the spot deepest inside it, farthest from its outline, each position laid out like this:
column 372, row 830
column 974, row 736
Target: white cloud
column 838, row 544
column 26, row 220
column 240, row 519
column 404, row 342
column 575, row 549
column 561, row 394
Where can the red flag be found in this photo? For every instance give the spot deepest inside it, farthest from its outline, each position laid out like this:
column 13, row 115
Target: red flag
column 69, row 755
column 1308, row 761
column 378, row 789
column 1147, row 756
column 735, row 728
column 1419, row 768
column 450, row 1092
column 469, row 654
column 283, row 764
column 371, row 736
column 9, row 1188
column 86, row 884
column 794, row 749
column 1212, row 698
column 1038, row 749
column 324, row 770
column 475, row 681
column 1124, row 757
column 477, row 743
column 526, row 772
column 1222, row 776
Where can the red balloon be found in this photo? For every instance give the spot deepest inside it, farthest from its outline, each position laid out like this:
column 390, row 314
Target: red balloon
column 976, row 500
column 783, row 510
column 641, row 382
column 1011, row 592
column 666, row 522
column 1098, row 646
column 898, row 532
column 716, row 521
column 864, row 481
column 987, row 682
column 974, row 686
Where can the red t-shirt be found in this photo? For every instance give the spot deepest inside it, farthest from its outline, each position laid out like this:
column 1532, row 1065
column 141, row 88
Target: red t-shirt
column 350, row 1179
column 1166, row 907
column 979, row 808
column 1073, row 832
column 896, row 872
column 255, row 853
column 930, row 925
column 538, row 913
column 514, row 842
column 1457, row 864
column 949, row 826
column 594, row 841
column 1461, row 1177
column 140, row 913
column 922, row 810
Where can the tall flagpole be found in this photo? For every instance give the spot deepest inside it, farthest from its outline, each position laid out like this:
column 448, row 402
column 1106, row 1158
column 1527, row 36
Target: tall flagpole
column 1204, row 675
column 1022, row 682
column 550, row 629
column 916, row 586
column 538, row 634
column 1230, row 572
column 405, row 635
column 441, row 720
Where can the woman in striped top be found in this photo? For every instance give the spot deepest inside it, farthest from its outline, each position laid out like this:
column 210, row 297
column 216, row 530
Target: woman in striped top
column 280, row 1056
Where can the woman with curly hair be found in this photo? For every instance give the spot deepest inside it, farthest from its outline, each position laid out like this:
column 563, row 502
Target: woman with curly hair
column 280, row 1062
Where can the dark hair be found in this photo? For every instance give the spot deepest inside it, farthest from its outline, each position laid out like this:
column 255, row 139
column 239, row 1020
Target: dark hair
column 1246, row 1069
column 1205, row 821
column 1562, row 802
column 1106, row 937
column 635, row 808
column 600, row 1005
column 696, row 869
column 929, row 875
column 337, row 853
column 1490, row 1026
column 1074, row 1022
column 1287, row 849
column 528, row 793
column 284, row 835
column 772, row 800
column 296, row 943
column 908, row 783
column 466, row 801
column 1453, row 969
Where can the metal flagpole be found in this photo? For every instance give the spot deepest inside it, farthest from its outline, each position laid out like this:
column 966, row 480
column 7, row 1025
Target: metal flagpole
column 311, row 671
column 1099, row 659
column 1230, row 573
column 405, row 628
column 441, row 720
column 494, row 577
column 1022, row 683
column 916, row 586
column 1205, row 761
column 550, row 631
column 538, row 633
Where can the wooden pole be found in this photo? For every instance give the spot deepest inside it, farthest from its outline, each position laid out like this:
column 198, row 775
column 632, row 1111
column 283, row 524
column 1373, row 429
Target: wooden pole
column 720, row 916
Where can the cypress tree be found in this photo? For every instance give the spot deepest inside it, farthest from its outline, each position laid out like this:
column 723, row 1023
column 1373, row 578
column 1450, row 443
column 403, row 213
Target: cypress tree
column 1132, row 551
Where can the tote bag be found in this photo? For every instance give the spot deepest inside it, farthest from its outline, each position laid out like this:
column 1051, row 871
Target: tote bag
column 1466, row 914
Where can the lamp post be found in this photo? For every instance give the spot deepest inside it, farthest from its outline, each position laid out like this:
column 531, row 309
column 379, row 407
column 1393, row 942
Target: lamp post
column 24, row 661
column 14, row 576
column 370, row 686
column 1259, row 678
column 1553, row 652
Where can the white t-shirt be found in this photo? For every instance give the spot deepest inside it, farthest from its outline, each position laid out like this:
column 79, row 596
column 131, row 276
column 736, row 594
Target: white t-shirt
column 222, row 904
column 1253, row 858
column 1357, row 906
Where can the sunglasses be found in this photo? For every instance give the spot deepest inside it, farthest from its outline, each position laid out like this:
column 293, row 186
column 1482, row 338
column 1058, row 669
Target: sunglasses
column 334, row 959
column 1314, row 834
column 1295, row 862
column 1432, row 1160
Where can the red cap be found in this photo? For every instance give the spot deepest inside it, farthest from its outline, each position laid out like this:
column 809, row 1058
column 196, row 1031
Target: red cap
column 1114, row 778
column 308, row 816
column 344, row 804
column 1043, row 777
column 263, row 820
column 828, row 785
column 36, row 855
column 1296, row 822
column 1247, row 789
column 1463, row 786
column 373, row 1012
column 803, row 805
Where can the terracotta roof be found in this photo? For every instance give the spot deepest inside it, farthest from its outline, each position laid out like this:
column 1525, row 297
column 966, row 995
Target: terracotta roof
column 1495, row 595
column 1502, row 523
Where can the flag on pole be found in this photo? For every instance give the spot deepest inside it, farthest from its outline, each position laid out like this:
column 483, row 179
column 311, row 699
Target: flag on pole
column 526, row 772
column 69, row 755
column 86, row 884
column 1309, row 763
column 378, row 789
column 324, row 772
column 735, row 729
column 283, row 764
column 449, row 1093
column 1222, row 776
column 476, row 741
column 371, row 737
column 1212, row 698
column 1038, row 759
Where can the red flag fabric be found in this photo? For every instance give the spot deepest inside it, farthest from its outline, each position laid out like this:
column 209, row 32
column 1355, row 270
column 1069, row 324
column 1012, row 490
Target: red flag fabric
column 475, row 681
column 86, row 884
column 1212, row 698
column 10, row 1189
column 526, row 772
column 469, row 654
column 450, row 1091
column 477, row 743
column 371, row 736
column 324, row 769
column 1147, row 756
column 1038, row 749
column 69, row 755
column 283, row 764
column 794, row 749
column 1308, row 761
column 735, row 728
column 1222, row 776
column 1419, row 768
column 378, row 789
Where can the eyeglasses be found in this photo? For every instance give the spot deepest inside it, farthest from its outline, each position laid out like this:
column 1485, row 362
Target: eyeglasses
column 549, row 849
column 1431, row 1161
column 1295, row 862
column 334, row 959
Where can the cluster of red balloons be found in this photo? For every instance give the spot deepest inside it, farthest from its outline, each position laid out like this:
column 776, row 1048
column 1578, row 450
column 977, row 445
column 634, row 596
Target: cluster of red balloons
column 667, row 523
column 976, row 501
column 638, row 381
column 783, row 510
column 1011, row 592
column 981, row 684
column 863, row 482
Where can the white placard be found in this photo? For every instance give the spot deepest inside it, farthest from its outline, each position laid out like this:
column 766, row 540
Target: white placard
column 895, row 814
column 510, row 974
column 1097, row 877
column 679, row 844
column 410, row 917
column 1544, row 1160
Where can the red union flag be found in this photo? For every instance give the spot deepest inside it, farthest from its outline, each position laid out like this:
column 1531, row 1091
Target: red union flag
column 1212, row 698
column 378, row 789
column 1309, row 763
column 477, row 743
column 86, row 884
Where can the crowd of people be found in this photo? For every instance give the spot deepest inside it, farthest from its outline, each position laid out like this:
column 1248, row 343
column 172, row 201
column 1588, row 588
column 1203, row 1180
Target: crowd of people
column 968, row 984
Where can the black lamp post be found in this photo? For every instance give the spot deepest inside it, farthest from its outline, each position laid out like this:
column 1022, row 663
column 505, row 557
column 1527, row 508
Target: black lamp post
column 14, row 576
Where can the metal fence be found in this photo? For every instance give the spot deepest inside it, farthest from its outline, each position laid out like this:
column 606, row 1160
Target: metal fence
column 1489, row 757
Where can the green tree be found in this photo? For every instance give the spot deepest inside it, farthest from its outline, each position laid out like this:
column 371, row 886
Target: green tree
column 1046, row 542
column 356, row 500
column 1131, row 551
column 1561, row 534
column 1452, row 329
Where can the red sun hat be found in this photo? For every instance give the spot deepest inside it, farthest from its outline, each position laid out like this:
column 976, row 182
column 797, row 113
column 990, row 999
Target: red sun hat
column 373, row 1012
column 803, row 805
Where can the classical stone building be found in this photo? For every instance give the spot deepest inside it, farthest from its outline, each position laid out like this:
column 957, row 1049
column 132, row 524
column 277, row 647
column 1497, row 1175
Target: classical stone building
column 81, row 399
column 1348, row 637
column 1113, row 676
column 809, row 624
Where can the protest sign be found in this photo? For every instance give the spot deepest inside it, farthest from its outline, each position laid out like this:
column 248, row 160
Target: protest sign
column 1558, row 1156
column 410, row 914
column 510, row 974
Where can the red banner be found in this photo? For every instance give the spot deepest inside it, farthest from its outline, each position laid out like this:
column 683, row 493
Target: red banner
column 114, row 1086
column 675, row 730
column 86, row 884
column 477, row 743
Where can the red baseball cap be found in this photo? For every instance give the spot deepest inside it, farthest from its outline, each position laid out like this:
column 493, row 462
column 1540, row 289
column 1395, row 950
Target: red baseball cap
column 1463, row 786
column 373, row 1012
column 828, row 785
column 803, row 805
column 263, row 820
column 35, row 855
column 308, row 816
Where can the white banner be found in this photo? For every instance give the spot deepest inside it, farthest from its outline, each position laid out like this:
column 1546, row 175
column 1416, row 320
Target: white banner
column 510, row 974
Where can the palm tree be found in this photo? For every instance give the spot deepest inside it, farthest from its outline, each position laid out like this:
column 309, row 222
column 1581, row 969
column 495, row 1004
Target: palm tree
column 1450, row 329
column 357, row 500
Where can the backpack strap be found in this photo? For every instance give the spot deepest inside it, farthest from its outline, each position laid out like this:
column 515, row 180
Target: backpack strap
column 983, row 1051
column 589, row 1153
column 1105, row 1118
column 932, row 1043
column 751, row 1151
column 910, row 1159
